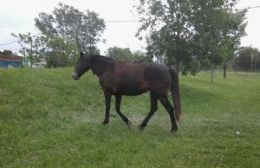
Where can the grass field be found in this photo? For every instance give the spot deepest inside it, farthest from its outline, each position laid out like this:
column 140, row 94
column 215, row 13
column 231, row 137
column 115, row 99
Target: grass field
column 49, row 120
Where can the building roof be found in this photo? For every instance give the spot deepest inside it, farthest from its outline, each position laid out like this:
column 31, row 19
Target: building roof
column 10, row 57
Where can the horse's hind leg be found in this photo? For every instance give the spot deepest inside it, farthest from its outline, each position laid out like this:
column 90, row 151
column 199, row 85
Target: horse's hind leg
column 165, row 102
column 107, row 110
column 118, row 103
column 153, row 109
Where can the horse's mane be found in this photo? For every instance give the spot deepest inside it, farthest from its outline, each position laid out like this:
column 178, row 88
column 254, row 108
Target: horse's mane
column 103, row 59
column 100, row 64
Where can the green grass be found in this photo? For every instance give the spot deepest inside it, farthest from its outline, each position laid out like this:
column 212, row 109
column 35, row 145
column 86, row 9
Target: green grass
column 49, row 120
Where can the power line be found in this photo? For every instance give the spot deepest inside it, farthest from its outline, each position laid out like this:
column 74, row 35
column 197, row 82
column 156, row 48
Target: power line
column 9, row 42
column 15, row 41
column 252, row 7
column 118, row 21
column 121, row 21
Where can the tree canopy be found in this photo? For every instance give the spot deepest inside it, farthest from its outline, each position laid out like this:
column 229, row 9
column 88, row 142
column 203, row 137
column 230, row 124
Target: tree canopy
column 247, row 59
column 125, row 54
column 185, row 32
column 63, row 34
column 72, row 25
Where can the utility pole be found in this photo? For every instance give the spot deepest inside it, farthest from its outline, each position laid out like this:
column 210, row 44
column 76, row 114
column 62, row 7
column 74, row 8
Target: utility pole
column 31, row 57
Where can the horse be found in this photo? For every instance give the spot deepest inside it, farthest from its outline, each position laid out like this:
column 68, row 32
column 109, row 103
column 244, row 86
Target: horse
column 123, row 78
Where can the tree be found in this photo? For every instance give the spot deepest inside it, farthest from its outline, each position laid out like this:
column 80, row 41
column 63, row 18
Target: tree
column 7, row 52
column 78, row 28
column 141, row 57
column 124, row 54
column 120, row 54
column 169, row 30
column 60, row 53
column 64, row 33
column 31, row 46
column 247, row 59
column 186, row 32
column 218, row 28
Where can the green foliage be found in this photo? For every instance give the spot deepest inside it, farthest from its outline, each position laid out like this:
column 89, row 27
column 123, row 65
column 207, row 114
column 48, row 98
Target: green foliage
column 6, row 52
column 82, row 29
column 120, row 54
column 124, row 54
column 141, row 57
column 184, row 33
column 64, row 33
column 49, row 120
column 218, row 27
column 32, row 47
column 169, row 30
column 61, row 54
column 247, row 59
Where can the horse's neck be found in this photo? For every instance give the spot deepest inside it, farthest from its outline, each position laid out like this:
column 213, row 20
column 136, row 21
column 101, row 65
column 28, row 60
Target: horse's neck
column 99, row 67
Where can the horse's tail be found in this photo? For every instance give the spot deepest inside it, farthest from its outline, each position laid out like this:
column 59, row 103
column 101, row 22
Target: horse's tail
column 175, row 93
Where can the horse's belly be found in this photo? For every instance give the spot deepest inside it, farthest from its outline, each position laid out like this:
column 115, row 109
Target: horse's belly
column 131, row 93
column 130, row 89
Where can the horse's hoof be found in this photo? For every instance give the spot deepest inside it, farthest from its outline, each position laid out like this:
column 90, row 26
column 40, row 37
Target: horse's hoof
column 141, row 128
column 174, row 130
column 105, row 122
column 129, row 123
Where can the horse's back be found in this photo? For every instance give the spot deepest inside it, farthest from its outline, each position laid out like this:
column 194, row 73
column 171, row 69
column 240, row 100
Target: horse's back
column 156, row 72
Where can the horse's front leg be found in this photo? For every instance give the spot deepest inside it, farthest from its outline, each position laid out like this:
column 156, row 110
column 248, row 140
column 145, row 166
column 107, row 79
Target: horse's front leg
column 118, row 103
column 107, row 107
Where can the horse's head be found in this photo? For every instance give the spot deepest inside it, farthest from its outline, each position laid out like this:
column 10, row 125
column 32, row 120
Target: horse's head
column 82, row 65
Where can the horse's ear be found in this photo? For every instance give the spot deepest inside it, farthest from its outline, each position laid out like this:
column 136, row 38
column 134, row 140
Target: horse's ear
column 81, row 54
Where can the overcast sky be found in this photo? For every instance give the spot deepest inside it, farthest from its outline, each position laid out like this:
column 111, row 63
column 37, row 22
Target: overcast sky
column 18, row 16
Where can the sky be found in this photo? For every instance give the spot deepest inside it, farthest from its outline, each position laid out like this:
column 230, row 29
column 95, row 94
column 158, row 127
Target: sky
column 17, row 16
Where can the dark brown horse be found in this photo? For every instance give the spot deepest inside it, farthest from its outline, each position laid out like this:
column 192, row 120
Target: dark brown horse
column 122, row 78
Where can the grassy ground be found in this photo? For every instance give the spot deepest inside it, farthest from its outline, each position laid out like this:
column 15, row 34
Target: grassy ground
column 49, row 120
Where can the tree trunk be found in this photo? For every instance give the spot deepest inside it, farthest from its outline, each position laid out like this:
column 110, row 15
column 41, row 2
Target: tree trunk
column 252, row 60
column 177, row 67
column 212, row 73
column 199, row 66
column 225, row 70
column 77, row 41
column 31, row 57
